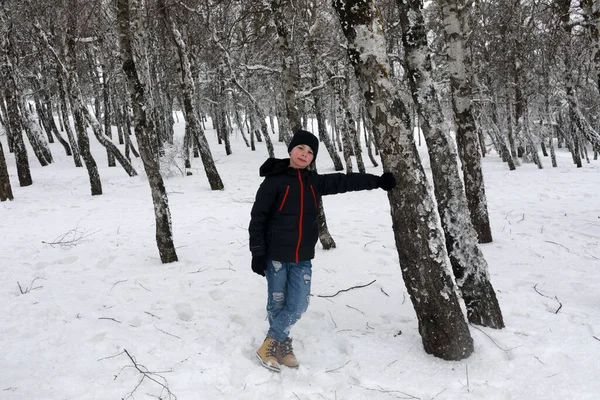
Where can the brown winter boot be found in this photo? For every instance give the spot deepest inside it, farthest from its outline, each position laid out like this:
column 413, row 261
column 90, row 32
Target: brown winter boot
column 267, row 354
column 286, row 354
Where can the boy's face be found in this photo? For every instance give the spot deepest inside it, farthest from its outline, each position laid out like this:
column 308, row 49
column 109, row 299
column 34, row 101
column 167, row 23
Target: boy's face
column 301, row 156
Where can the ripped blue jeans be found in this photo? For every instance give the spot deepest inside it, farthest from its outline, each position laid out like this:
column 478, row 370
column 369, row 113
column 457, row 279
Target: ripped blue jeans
column 289, row 294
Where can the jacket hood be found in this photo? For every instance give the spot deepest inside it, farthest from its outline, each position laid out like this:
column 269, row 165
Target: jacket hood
column 274, row 166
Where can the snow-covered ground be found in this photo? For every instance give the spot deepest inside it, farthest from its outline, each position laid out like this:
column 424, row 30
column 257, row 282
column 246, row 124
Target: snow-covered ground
column 73, row 313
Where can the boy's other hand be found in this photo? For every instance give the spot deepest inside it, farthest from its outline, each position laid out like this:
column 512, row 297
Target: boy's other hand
column 259, row 264
column 386, row 181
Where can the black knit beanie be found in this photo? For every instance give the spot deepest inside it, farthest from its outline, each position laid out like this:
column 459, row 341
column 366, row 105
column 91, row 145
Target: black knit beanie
column 307, row 138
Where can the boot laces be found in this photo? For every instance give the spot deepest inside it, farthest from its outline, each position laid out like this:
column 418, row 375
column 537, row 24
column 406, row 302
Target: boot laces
column 272, row 349
column 286, row 347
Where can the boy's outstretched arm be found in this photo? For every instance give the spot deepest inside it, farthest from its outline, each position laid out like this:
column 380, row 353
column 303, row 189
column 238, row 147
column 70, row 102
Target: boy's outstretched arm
column 342, row 183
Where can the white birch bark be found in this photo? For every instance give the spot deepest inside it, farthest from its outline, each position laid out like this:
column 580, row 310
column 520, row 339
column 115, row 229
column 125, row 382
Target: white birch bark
column 455, row 14
column 468, row 263
column 145, row 132
column 416, row 224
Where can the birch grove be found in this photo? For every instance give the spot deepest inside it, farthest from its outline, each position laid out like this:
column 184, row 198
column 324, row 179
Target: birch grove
column 505, row 79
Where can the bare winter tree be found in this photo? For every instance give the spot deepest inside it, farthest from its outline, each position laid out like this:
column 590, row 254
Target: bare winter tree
column 145, row 132
column 192, row 120
column 455, row 14
column 419, row 236
column 467, row 260
column 13, row 119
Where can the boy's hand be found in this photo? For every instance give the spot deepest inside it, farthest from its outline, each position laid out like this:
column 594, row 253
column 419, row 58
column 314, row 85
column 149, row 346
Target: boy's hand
column 386, row 181
column 259, row 264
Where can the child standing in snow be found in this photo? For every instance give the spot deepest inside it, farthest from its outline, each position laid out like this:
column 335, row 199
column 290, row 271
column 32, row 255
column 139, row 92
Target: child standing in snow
column 283, row 234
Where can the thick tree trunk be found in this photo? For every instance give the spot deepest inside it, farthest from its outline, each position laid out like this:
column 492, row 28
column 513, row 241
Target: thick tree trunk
column 419, row 236
column 467, row 260
column 5, row 122
column 455, row 24
column 5, row 188
column 146, row 135
column 192, row 121
column 35, row 136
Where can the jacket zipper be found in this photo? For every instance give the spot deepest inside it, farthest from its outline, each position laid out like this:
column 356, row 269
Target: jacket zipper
column 314, row 196
column 301, row 215
column 287, row 189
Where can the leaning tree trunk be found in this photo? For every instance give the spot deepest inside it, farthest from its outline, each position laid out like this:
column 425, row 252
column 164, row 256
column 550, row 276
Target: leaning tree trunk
column 68, row 70
column 192, row 121
column 5, row 188
column 455, row 23
column 64, row 117
column 418, row 233
column 145, row 134
column 467, row 260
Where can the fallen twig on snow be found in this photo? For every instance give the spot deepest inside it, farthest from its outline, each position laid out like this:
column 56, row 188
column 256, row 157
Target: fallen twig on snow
column 30, row 287
column 346, row 290
column 71, row 238
column 558, row 244
column 554, row 298
column 338, row 368
column 110, row 319
column 493, row 341
column 149, row 375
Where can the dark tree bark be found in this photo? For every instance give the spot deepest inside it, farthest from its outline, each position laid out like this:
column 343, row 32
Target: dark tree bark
column 13, row 117
column 192, row 120
column 145, row 134
column 468, row 263
column 419, row 237
column 5, row 188
column 289, row 67
column 64, row 117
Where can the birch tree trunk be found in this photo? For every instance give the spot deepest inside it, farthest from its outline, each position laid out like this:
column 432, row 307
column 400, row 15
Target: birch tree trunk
column 13, row 118
column 591, row 12
column 5, row 188
column 577, row 119
column 417, row 229
column 192, row 121
column 289, row 67
column 64, row 117
column 455, row 14
column 467, row 260
column 318, row 94
column 145, row 134
column 70, row 71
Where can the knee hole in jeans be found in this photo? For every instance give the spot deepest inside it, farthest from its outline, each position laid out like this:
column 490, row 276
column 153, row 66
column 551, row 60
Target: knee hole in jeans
column 307, row 279
column 278, row 296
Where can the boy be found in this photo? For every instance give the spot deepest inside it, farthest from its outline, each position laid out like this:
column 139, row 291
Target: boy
column 283, row 234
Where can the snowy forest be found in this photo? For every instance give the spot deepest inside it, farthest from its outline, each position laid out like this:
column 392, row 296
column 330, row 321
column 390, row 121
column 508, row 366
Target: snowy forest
column 517, row 80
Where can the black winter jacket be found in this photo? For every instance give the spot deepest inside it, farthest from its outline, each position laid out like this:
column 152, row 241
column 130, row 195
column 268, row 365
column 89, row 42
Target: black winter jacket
column 283, row 224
